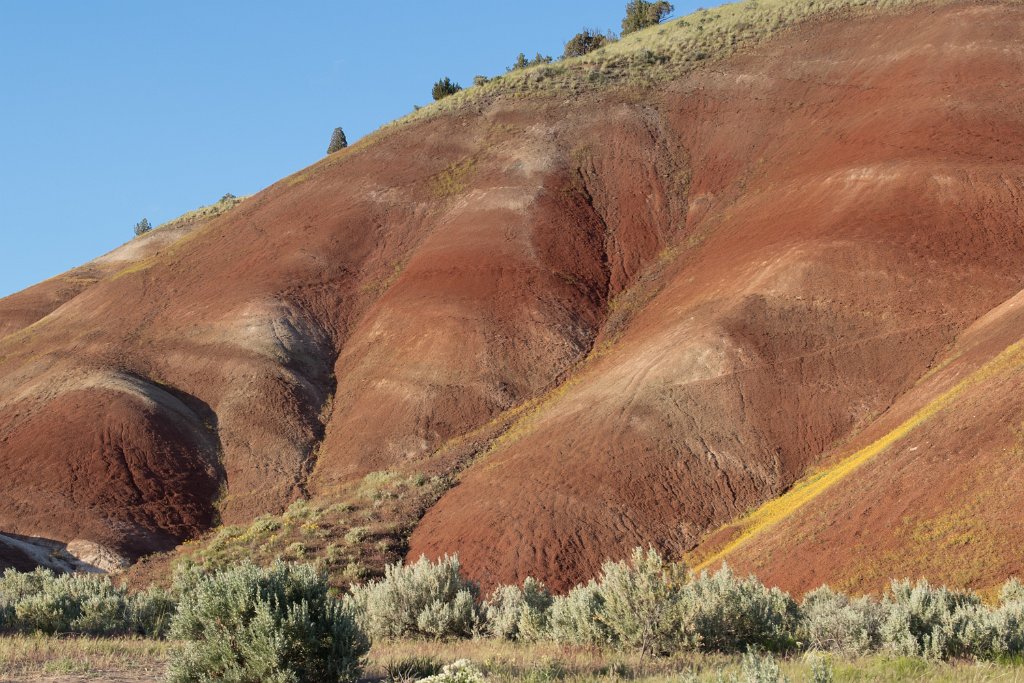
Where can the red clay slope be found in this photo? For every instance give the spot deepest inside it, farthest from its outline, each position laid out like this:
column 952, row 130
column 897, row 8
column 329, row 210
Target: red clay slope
column 855, row 202
column 689, row 297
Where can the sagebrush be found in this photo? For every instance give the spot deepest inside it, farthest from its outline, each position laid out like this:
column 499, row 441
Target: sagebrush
column 253, row 624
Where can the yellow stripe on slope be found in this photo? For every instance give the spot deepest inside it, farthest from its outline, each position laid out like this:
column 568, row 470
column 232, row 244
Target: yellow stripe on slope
column 806, row 490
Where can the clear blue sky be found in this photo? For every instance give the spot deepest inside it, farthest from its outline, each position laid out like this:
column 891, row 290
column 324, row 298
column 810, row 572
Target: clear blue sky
column 115, row 110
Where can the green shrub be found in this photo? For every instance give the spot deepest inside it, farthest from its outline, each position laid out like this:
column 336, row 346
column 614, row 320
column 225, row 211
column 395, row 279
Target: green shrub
column 1012, row 591
column 1009, row 627
column 411, row 669
column 921, row 620
column 641, row 601
column 725, row 613
column 445, row 87
column 831, row 621
column 142, row 227
column 641, row 14
column 461, row 671
column 586, row 41
column 249, row 624
column 338, row 141
column 423, row 599
column 514, row 613
column 574, row 618
column 6, row 608
column 758, row 668
column 151, row 612
column 263, row 526
column 44, row 602
column 522, row 61
column 822, row 671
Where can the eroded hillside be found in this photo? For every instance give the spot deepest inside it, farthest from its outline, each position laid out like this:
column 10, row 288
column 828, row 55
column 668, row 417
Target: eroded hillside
column 572, row 314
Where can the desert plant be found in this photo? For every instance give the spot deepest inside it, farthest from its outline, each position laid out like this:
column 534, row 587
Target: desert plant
column 338, row 141
column 641, row 14
column 461, row 671
column 756, row 668
column 586, row 41
column 480, row 80
column 1008, row 620
column 411, row 669
column 726, row 613
column 1012, row 591
column 522, row 61
column 822, row 671
column 921, row 620
column 641, row 601
column 275, row 624
column 514, row 613
column 424, row 599
column 830, row 621
column 151, row 611
column 574, row 617
column 41, row 601
column 142, row 227
column 444, row 87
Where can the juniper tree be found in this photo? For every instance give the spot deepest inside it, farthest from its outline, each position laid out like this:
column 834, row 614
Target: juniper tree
column 522, row 61
column 338, row 141
column 445, row 87
column 586, row 41
column 641, row 14
column 142, row 227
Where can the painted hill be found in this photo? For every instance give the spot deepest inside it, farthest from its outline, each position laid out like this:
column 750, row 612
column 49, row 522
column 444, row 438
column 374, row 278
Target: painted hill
column 743, row 286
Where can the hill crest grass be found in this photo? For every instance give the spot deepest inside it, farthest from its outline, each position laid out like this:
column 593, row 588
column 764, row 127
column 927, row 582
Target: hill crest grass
column 637, row 62
column 661, row 52
column 194, row 217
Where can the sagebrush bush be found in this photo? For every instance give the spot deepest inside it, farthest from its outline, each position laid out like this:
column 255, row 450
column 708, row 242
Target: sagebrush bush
column 832, row 622
column 922, row 620
column 574, row 617
column 1012, row 591
column 641, row 601
column 514, row 613
column 1009, row 626
column 759, row 668
column 44, row 602
column 461, row 671
column 726, row 613
column 423, row 599
column 151, row 612
column 248, row 624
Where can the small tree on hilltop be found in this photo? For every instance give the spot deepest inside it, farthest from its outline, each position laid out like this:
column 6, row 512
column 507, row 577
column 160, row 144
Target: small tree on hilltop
column 142, row 227
column 586, row 41
column 522, row 62
column 641, row 14
column 338, row 141
column 445, row 87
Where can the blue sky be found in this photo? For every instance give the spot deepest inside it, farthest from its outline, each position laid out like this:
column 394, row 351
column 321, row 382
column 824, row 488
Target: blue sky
column 111, row 111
